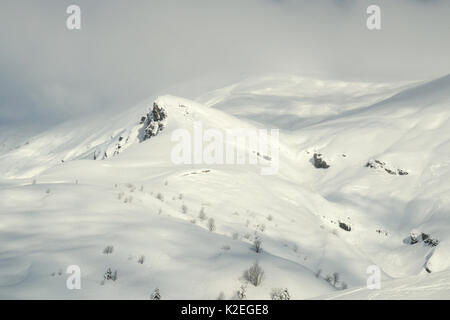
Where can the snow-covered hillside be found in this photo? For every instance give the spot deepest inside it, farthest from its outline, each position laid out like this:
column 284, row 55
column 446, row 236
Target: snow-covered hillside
column 105, row 181
column 14, row 136
column 434, row 286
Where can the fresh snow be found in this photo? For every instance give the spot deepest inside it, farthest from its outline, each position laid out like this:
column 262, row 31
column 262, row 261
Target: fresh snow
column 60, row 207
column 434, row 286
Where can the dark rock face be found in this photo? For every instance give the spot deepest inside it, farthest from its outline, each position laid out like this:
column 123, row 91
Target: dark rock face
column 345, row 226
column 390, row 171
column 158, row 113
column 429, row 241
column 426, row 238
column 318, row 162
column 153, row 123
column 377, row 164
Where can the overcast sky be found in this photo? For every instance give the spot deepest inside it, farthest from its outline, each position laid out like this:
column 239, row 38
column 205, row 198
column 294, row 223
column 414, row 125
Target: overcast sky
column 127, row 51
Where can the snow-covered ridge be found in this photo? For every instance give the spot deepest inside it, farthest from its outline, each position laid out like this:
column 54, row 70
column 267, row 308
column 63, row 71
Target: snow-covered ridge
column 315, row 222
column 100, row 137
column 290, row 102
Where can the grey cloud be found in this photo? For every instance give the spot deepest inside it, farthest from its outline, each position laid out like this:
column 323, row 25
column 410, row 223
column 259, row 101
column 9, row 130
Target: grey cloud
column 128, row 50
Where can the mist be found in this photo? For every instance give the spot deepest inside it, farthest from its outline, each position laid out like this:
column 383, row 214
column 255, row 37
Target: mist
column 127, row 51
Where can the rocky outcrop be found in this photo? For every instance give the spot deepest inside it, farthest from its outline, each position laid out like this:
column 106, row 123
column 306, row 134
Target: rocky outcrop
column 423, row 237
column 431, row 242
column 345, row 226
column 318, row 162
column 149, row 126
column 377, row 164
column 154, row 121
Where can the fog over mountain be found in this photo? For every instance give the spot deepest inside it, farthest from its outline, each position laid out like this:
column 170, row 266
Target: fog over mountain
column 128, row 51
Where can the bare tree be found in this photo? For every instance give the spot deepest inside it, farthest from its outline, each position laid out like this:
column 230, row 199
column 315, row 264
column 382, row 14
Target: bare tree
column 254, row 274
column 108, row 250
column 257, row 245
column 241, row 294
column 109, row 275
column 156, row 295
column 211, row 225
column 280, row 294
column 335, row 278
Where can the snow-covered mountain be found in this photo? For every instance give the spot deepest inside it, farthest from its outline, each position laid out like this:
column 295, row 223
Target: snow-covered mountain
column 109, row 181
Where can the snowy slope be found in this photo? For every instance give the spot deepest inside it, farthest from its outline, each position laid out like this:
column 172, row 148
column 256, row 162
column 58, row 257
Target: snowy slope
column 94, row 195
column 434, row 286
column 291, row 102
column 15, row 135
column 75, row 139
column 408, row 131
column 55, row 214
